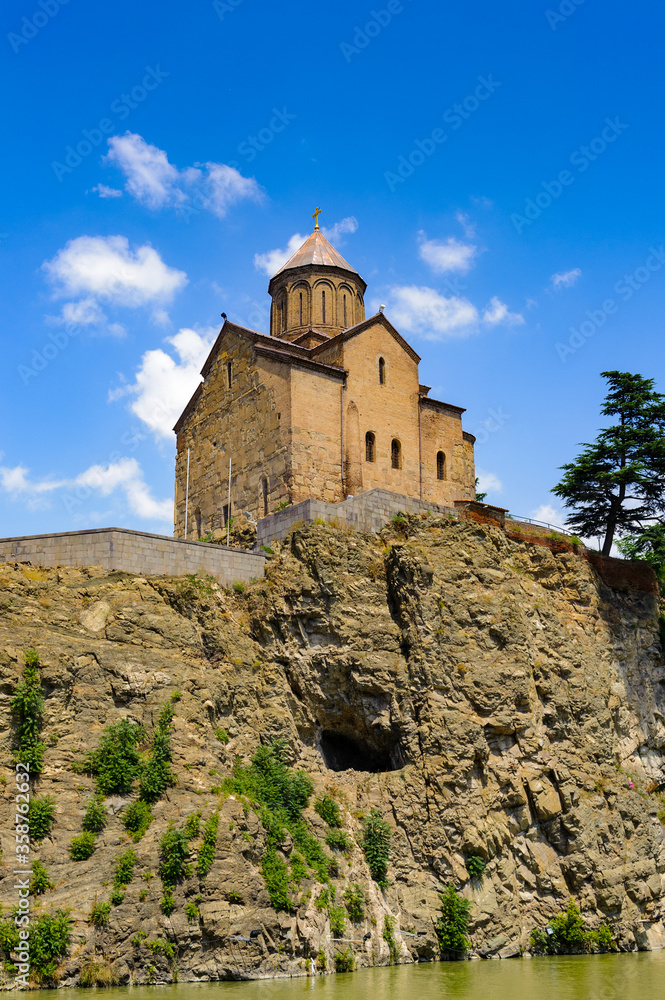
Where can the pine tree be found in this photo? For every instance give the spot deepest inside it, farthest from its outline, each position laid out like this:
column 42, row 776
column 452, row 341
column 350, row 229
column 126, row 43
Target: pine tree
column 618, row 482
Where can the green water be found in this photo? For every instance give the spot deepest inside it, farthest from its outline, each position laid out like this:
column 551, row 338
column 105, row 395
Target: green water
column 599, row 977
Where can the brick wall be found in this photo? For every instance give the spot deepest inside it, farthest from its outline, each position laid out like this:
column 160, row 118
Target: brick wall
column 134, row 552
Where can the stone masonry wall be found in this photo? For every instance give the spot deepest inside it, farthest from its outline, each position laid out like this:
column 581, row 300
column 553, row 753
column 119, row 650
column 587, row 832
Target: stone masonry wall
column 128, row 551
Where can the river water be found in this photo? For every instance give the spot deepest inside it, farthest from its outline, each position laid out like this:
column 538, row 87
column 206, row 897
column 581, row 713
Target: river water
column 597, row 977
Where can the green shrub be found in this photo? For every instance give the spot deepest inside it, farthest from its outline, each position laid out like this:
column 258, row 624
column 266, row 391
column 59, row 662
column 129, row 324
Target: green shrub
column 276, row 877
column 82, row 847
column 123, row 869
column 117, row 896
column 27, row 706
column 453, row 923
column 344, row 961
column 328, row 810
column 192, row 912
column 174, row 852
column 338, row 840
column 193, row 825
column 389, row 938
column 115, row 764
column 156, row 775
column 167, row 905
column 235, row 897
column 354, row 900
column 337, row 921
column 207, row 850
column 39, row 880
column 566, row 935
column 99, row 914
column 41, row 816
column 50, row 935
column 377, row 836
column 95, row 815
column 143, row 895
column 158, row 947
column 298, row 868
column 222, row 735
column 9, row 938
column 136, row 818
column 475, row 866
column 238, row 587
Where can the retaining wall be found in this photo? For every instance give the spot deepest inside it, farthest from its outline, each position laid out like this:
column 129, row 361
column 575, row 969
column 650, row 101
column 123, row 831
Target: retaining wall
column 134, row 552
column 368, row 512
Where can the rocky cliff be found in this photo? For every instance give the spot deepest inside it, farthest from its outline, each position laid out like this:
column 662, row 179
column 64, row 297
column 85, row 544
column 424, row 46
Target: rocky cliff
column 489, row 697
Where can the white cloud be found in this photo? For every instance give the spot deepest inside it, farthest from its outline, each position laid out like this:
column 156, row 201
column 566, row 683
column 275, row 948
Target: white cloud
column 125, row 476
column 106, row 268
column 566, row 278
column 488, row 482
column 84, row 312
column 155, row 182
column 551, row 515
column 271, row 261
column 164, row 385
column 448, row 255
column 468, row 226
column 428, row 313
column 107, row 192
column 336, row 233
column 497, row 312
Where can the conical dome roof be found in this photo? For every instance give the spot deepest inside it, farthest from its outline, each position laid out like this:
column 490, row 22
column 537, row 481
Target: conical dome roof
column 316, row 250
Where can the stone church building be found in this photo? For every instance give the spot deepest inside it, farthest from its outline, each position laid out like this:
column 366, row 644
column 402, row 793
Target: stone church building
column 326, row 406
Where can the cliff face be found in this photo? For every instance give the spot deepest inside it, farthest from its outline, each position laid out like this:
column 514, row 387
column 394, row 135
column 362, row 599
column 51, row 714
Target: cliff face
column 490, row 698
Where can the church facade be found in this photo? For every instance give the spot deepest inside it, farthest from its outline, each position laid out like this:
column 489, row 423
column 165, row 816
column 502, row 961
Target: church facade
column 326, row 406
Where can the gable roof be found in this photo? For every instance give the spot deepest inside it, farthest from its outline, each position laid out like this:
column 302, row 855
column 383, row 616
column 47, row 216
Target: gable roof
column 353, row 331
column 316, row 250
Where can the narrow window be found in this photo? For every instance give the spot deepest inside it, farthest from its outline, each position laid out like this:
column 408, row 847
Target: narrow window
column 229, row 374
column 345, row 312
column 225, row 514
column 370, row 447
column 264, row 492
column 323, row 306
column 300, row 309
column 197, row 515
column 440, row 465
column 382, row 372
column 396, row 454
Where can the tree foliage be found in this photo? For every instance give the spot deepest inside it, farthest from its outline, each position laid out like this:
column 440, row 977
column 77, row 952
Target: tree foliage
column 27, row 706
column 648, row 544
column 453, row 923
column 377, row 836
column 618, row 482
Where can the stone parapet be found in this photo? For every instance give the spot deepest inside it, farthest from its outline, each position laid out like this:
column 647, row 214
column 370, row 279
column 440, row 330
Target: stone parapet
column 122, row 549
column 368, row 512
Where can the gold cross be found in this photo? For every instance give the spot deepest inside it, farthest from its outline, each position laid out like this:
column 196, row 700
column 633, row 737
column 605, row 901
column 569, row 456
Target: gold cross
column 315, row 216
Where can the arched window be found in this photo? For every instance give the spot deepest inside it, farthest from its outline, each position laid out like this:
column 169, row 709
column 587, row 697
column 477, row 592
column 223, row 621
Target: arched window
column 440, row 465
column 370, row 447
column 300, row 309
column 344, row 301
column 396, row 454
column 264, row 495
column 382, row 372
column 229, row 374
column 323, row 306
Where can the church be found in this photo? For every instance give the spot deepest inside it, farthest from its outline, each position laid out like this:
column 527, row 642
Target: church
column 328, row 405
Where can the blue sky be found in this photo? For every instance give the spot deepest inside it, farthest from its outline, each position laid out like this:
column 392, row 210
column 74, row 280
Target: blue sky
column 493, row 171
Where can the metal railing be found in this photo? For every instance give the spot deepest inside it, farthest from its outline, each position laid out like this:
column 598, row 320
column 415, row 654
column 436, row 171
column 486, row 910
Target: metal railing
column 542, row 524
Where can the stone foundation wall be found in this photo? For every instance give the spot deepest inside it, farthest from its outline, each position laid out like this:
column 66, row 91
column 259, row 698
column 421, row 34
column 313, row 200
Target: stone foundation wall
column 134, row 552
column 369, row 512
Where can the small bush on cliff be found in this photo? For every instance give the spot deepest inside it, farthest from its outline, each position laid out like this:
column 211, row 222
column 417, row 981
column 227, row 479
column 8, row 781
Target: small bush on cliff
column 354, row 900
column 207, row 850
column 156, row 773
column 174, row 852
column 566, row 935
column 344, row 961
column 136, row 819
column 99, row 914
column 95, row 815
column 389, row 938
column 328, row 810
column 115, row 764
column 475, row 866
column 50, row 935
column 123, row 869
column 41, row 816
column 39, row 881
column 453, row 923
column 339, row 840
column 279, row 794
column 377, row 836
column 27, row 706
column 82, row 847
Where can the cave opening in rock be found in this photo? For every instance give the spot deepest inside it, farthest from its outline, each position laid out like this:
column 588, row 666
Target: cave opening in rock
column 343, row 753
